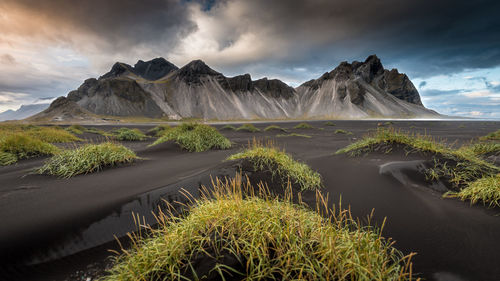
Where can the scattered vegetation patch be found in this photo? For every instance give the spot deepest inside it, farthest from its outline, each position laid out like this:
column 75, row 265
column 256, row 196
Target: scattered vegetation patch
column 195, row 137
column 159, row 130
column 7, row 158
column 52, row 134
column 248, row 128
column 87, row 159
column 483, row 148
column 485, row 190
column 24, row 146
column 76, row 129
column 126, row 134
column 329, row 123
column 293, row 135
column 274, row 128
column 279, row 163
column 303, row 126
column 98, row 132
column 340, row 131
column 228, row 128
column 492, row 136
column 227, row 235
column 458, row 167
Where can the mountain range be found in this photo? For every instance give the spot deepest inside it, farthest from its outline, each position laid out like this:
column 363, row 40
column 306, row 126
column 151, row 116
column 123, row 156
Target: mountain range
column 158, row 88
column 24, row 111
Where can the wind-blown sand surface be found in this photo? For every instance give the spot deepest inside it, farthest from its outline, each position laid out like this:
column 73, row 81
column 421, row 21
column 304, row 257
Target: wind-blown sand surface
column 60, row 229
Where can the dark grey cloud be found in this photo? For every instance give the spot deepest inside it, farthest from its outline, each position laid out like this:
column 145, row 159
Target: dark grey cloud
column 119, row 24
column 422, row 84
column 421, row 37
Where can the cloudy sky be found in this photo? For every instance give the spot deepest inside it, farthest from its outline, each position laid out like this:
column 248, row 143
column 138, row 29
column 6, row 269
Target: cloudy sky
column 449, row 49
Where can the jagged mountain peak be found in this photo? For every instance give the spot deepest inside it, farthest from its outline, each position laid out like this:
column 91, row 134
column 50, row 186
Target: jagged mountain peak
column 154, row 69
column 150, row 70
column 118, row 69
column 193, row 71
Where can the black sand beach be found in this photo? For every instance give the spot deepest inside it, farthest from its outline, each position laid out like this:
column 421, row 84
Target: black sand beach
column 61, row 229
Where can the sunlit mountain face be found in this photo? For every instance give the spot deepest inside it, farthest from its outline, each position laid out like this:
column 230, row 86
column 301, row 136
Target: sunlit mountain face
column 450, row 50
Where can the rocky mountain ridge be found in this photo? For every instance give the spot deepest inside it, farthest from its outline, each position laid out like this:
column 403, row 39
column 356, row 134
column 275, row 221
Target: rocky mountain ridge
column 158, row 88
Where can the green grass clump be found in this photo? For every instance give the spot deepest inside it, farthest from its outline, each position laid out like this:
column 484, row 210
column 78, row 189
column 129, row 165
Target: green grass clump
column 248, row 128
column 303, row 126
column 76, row 129
column 195, row 137
column 274, row 128
column 87, row 159
column 228, row 128
column 265, row 238
column 483, row 148
column 24, row 146
column 459, row 167
column 159, row 130
column 329, row 123
column 7, row 158
column 281, row 164
column 293, row 135
column 492, row 136
column 52, row 134
column 126, row 134
column 340, row 131
column 486, row 190
column 98, row 132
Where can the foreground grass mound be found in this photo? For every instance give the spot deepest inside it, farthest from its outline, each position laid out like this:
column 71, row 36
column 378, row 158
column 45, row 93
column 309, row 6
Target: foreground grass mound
column 248, row 128
column 23, row 146
column 195, row 137
column 76, row 129
column 230, row 236
column 293, row 135
column 483, row 148
column 344, row 132
column 269, row 158
column 87, row 159
column 485, row 190
column 457, row 167
column 126, row 134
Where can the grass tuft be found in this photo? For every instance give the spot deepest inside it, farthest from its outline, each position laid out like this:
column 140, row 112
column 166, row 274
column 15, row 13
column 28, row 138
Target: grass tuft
column 279, row 163
column 293, row 135
column 229, row 235
column 87, row 159
column 7, row 158
column 303, row 126
column 482, row 148
column 228, row 128
column 340, row 131
column 329, row 123
column 248, row 128
column 492, row 136
column 126, row 134
column 76, row 129
column 274, row 128
column 485, row 190
column 24, row 146
column 195, row 137
column 159, row 130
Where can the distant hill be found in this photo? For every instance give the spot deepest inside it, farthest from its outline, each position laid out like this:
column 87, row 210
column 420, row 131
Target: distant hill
column 23, row 112
column 157, row 88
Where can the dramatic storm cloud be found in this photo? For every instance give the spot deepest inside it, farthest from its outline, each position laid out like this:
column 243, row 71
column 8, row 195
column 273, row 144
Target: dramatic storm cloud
column 47, row 47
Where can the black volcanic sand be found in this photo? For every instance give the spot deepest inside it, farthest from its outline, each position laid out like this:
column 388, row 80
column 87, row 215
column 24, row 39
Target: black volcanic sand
column 61, row 229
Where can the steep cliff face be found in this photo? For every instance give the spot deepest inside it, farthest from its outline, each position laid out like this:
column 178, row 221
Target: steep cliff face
column 158, row 88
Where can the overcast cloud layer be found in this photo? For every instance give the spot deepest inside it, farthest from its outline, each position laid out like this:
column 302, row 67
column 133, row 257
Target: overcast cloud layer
column 49, row 47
